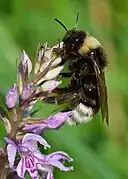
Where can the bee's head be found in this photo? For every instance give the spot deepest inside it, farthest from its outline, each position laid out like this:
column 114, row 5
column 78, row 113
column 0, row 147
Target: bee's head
column 73, row 39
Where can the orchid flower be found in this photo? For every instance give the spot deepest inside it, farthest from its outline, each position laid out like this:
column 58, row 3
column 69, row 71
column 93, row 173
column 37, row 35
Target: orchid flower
column 30, row 155
column 32, row 160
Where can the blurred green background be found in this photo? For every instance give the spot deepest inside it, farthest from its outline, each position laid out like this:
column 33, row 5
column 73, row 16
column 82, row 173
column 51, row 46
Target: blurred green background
column 99, row 152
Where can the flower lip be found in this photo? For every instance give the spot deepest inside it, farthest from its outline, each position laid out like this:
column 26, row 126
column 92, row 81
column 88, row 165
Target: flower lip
column 28, row 150
column 54, row 159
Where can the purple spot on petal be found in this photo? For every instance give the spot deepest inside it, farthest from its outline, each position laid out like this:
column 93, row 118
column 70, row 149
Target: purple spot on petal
column 27, row 163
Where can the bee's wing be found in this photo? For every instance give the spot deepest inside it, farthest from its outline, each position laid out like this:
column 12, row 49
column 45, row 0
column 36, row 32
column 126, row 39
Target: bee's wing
column 104, row 109
column 102, row 89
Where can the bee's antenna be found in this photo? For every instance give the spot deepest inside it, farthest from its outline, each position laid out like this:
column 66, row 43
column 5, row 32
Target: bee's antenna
column 61, row 24
column 77, row 18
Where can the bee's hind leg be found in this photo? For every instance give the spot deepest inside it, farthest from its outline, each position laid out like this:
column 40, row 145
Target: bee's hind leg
column 61, row 95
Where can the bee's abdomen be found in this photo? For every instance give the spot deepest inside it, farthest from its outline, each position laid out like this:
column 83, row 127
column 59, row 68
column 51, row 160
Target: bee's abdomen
column 80, row 114
column 83, row 83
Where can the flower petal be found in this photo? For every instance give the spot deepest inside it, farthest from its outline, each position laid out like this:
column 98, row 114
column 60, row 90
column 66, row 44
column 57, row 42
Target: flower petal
column 48, row 53
column 40, row 53
column 44, row 66
column 53, row 73
column 11, row 97
column 44, row 169
column 38, row 157
column 56, row 62
column 7, row 124
column 49, row 175
column 50, row 85
column 11, row 152
column 35, row 128
column 9, row 141
column 58, row 156
column 21, row 168
column 57, row 120
column 59, row 165
column 53, row 122
column 33, row 173
column 54, row 160
column 26, row 62
column 33, row 137
column 59, row 45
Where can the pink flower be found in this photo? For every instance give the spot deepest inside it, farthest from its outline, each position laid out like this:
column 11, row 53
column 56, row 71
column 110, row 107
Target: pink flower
column 53, row 122
column 55, row 159
column 30, row 155
column 33, row 160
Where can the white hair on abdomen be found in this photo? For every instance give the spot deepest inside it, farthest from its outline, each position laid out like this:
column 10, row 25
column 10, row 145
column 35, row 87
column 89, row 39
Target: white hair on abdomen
column 81, row 114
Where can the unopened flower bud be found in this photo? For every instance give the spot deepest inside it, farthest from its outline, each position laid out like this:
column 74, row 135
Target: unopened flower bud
column 28, row 91
column 26, row 62
column 11, row 97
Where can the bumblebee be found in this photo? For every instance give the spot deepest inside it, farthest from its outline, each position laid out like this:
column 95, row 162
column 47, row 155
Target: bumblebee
column 86, row 92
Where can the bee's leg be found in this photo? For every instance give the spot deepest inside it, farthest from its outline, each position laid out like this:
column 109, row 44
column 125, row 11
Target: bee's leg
column 50, row 100
column 66, row 74
column 59, row 97
column 63, row 95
